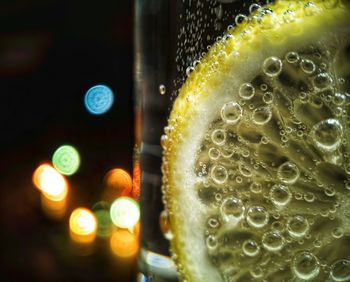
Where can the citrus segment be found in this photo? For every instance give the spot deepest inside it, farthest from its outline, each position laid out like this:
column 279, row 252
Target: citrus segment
column 256, row 156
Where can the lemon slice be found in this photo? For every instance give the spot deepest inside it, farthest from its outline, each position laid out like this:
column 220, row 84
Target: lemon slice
column 256, row 152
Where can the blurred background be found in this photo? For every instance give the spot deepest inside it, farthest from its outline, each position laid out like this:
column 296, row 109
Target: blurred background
column 51, row 53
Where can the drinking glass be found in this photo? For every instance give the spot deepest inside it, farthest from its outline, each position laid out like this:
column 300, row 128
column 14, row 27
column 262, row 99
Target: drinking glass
column 170, row 36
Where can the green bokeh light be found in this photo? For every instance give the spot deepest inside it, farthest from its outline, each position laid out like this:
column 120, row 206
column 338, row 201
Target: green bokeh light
column 125, row 212
column 66, row 160
column 104, row 222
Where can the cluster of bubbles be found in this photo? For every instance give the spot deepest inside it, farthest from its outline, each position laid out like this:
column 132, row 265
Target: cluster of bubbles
column 274, row 165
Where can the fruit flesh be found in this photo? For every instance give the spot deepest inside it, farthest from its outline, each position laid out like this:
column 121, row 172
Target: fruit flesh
column 262, row 183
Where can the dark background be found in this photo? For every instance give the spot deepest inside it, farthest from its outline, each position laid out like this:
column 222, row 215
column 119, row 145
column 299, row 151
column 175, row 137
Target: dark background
column 51, row 53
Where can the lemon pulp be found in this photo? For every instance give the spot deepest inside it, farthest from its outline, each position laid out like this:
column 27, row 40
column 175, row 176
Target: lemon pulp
column 256, row 156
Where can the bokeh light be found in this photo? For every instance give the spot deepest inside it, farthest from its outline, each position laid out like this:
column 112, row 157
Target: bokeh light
column 66, row 160
column 104, row 222
column 50, row 182
column 125, row 212
column 124, row 244
column 82, row 225
column 99, row 99
column 117, row 183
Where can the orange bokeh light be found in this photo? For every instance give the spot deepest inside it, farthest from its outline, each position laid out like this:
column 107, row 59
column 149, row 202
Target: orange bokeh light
column 82, row 225
column 118, row 183
column 124, row 244
column 50, row 182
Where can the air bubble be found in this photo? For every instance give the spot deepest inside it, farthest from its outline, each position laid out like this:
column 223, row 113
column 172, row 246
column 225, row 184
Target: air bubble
column 213, row 153
column 272, row 66
column 305, row 265
column 219, row 174
column 263, row 87
column 250, row 248
column 257, row 216
column 292, row 57
column 288, row 173
column 340, row 270
column 297, row 226
column 189, row 70
column 213, row 223
column 232, row 209
column 196, row 63
column 317, row 102
column 329, row 191
column 338, row 111
column 162, row 89
column 272, row 241
column 211, row 242
column 227, row 152
column 280, row 195
column 239, row 179
column 218, row 197
column 317, row 243
column 257, row 272
column 254, row 7
column 339, row 99
column 255, row 187
column 310, row 9
column 218, row 137
column 244, row 170
column 327, row 134
column 261, row 115
column 289, row 16
column 304, row 97
column 240, row 19
column 231, row 112
column 337, row 232
column 307, row 66
column 246, row 91
column 267, row 19
column 309, row 197
column 322, row 81
column 164, row 224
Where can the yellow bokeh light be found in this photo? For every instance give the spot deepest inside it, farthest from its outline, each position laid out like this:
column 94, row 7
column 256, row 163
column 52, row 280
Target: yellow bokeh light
column 124, row 244
column 82, row 225
column 49, row 181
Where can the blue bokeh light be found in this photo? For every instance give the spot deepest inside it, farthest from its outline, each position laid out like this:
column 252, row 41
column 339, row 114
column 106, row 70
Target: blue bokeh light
column 99, row 99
